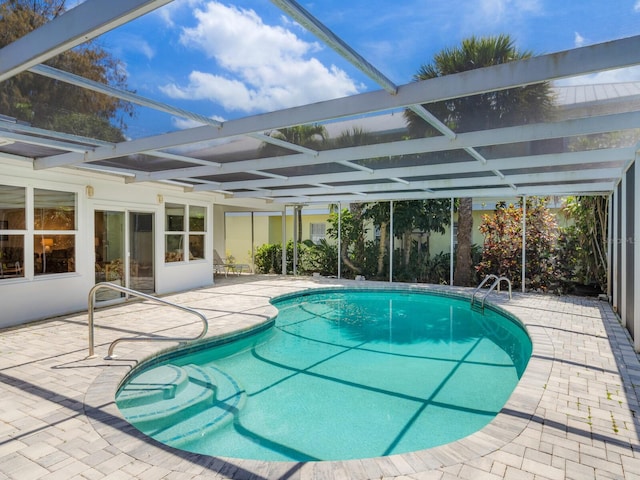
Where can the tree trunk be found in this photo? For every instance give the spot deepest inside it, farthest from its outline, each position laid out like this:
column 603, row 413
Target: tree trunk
column 463, row 274
column 382, row 247
column 427, row 245
column 358, row 242
column 347, row 261
column 406, row 245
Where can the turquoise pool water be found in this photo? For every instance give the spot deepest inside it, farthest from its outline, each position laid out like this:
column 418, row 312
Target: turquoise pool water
column 341, row 375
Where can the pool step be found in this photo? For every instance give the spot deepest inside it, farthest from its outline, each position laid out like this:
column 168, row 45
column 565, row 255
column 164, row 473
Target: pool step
column 152, row 413
column 177, row 404
column 156, row 384
column 229, row 399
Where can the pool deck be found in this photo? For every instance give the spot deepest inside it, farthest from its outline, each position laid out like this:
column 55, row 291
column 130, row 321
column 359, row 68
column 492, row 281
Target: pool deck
column 574, row 415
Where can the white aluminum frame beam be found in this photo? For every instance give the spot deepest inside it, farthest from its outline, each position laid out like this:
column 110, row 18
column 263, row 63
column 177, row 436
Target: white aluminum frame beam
column 311, row 23
column 635, row 245
column 76, row 26
column 498, row 136
column 625, row 267
column 612, row 174
column 74, row 143
column 614, row 54
column 94, row 86
column 577, row 159
column 616, row 238
column 597, row 188
column 42, row 142
column 316, row 27
column 78, row 81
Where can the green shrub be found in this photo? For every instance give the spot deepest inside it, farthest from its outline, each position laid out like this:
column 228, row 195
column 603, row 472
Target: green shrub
column 319, row 258
column 502, row 252
column 268, row 258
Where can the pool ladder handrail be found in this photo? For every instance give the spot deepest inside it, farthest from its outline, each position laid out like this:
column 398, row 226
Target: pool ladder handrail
column 135, row 293
column 495, row 284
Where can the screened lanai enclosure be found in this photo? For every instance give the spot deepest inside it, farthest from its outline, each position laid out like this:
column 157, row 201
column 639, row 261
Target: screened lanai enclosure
column 389, row 141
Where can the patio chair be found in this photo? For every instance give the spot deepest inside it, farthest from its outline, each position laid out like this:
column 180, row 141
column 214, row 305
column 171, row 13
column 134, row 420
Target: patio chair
column 221, row 266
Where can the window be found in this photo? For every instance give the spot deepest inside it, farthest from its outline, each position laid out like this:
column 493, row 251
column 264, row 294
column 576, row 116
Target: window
column 180, row 233
column 12, row 231
column 54, row 212
column 52, row 233
column 318, row 232
column 175, row 217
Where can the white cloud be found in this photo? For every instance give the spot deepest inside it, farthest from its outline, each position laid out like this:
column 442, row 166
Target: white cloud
column 186, row 123
column 265, row 67
column 504, row 11
column 127, row 42
column 578, row 40
column 636, row 7
column 168, row 12
column 142, row 46
column 628, row 74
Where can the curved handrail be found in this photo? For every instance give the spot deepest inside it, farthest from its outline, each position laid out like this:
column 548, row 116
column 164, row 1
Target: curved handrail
column 135, row 293
column 486, row 279
column 495, row 284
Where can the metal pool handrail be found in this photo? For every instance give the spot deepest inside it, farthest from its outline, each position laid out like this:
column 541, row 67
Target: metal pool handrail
column 135, row 293
column 495, row 284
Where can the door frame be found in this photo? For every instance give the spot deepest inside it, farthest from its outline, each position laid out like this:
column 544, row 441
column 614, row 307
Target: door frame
column 127, row 245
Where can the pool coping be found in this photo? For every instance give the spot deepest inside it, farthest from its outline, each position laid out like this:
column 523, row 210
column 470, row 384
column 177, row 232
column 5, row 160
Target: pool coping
column 510, row 422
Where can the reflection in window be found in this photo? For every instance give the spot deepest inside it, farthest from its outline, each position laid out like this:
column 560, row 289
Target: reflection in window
column 174, row 217
column 54, row 254
column 12, row 227
column 173, row 248
column 196, row 219
column 196, row 247
column 12, row 208
column 186, row 242
column 54, row 210
column 11, row 256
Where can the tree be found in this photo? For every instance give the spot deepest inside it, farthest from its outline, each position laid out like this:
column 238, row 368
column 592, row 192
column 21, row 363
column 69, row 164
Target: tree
column 310, row 136
column 589, row 234
column 586, row 239
column 354, row 241
column 502, row 108
column 378, row 213
column 502, row 252
column 350, row 225
column 55, row 105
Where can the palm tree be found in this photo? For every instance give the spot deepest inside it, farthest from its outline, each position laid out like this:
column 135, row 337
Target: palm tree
column 531, row 103
column 310, row 136
column 355, row 240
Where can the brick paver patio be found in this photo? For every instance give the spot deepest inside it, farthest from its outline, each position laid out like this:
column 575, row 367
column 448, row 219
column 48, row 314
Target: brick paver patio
column 574, row 414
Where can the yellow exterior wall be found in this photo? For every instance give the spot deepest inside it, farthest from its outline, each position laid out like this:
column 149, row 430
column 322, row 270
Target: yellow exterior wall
column 267, row 228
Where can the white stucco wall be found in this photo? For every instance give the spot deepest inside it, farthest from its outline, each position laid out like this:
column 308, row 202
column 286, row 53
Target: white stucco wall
column 36, row 297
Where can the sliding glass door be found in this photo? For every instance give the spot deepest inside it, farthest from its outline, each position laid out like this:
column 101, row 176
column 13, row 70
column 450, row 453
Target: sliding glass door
column 141, row 252
column 124, row 251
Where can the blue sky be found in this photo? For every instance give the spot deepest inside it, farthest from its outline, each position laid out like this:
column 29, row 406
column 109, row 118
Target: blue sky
column 226, row 60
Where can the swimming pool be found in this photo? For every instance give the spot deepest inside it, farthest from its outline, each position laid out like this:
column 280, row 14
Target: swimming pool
column 341, row 374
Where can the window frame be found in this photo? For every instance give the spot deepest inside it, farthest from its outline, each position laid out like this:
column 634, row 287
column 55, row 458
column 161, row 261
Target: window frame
column 34, row 242
column 185, row 239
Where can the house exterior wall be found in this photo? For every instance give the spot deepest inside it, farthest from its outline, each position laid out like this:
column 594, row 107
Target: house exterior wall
column 242, row 237
column 237, row 227
column 34, row 297
column 267, row 229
